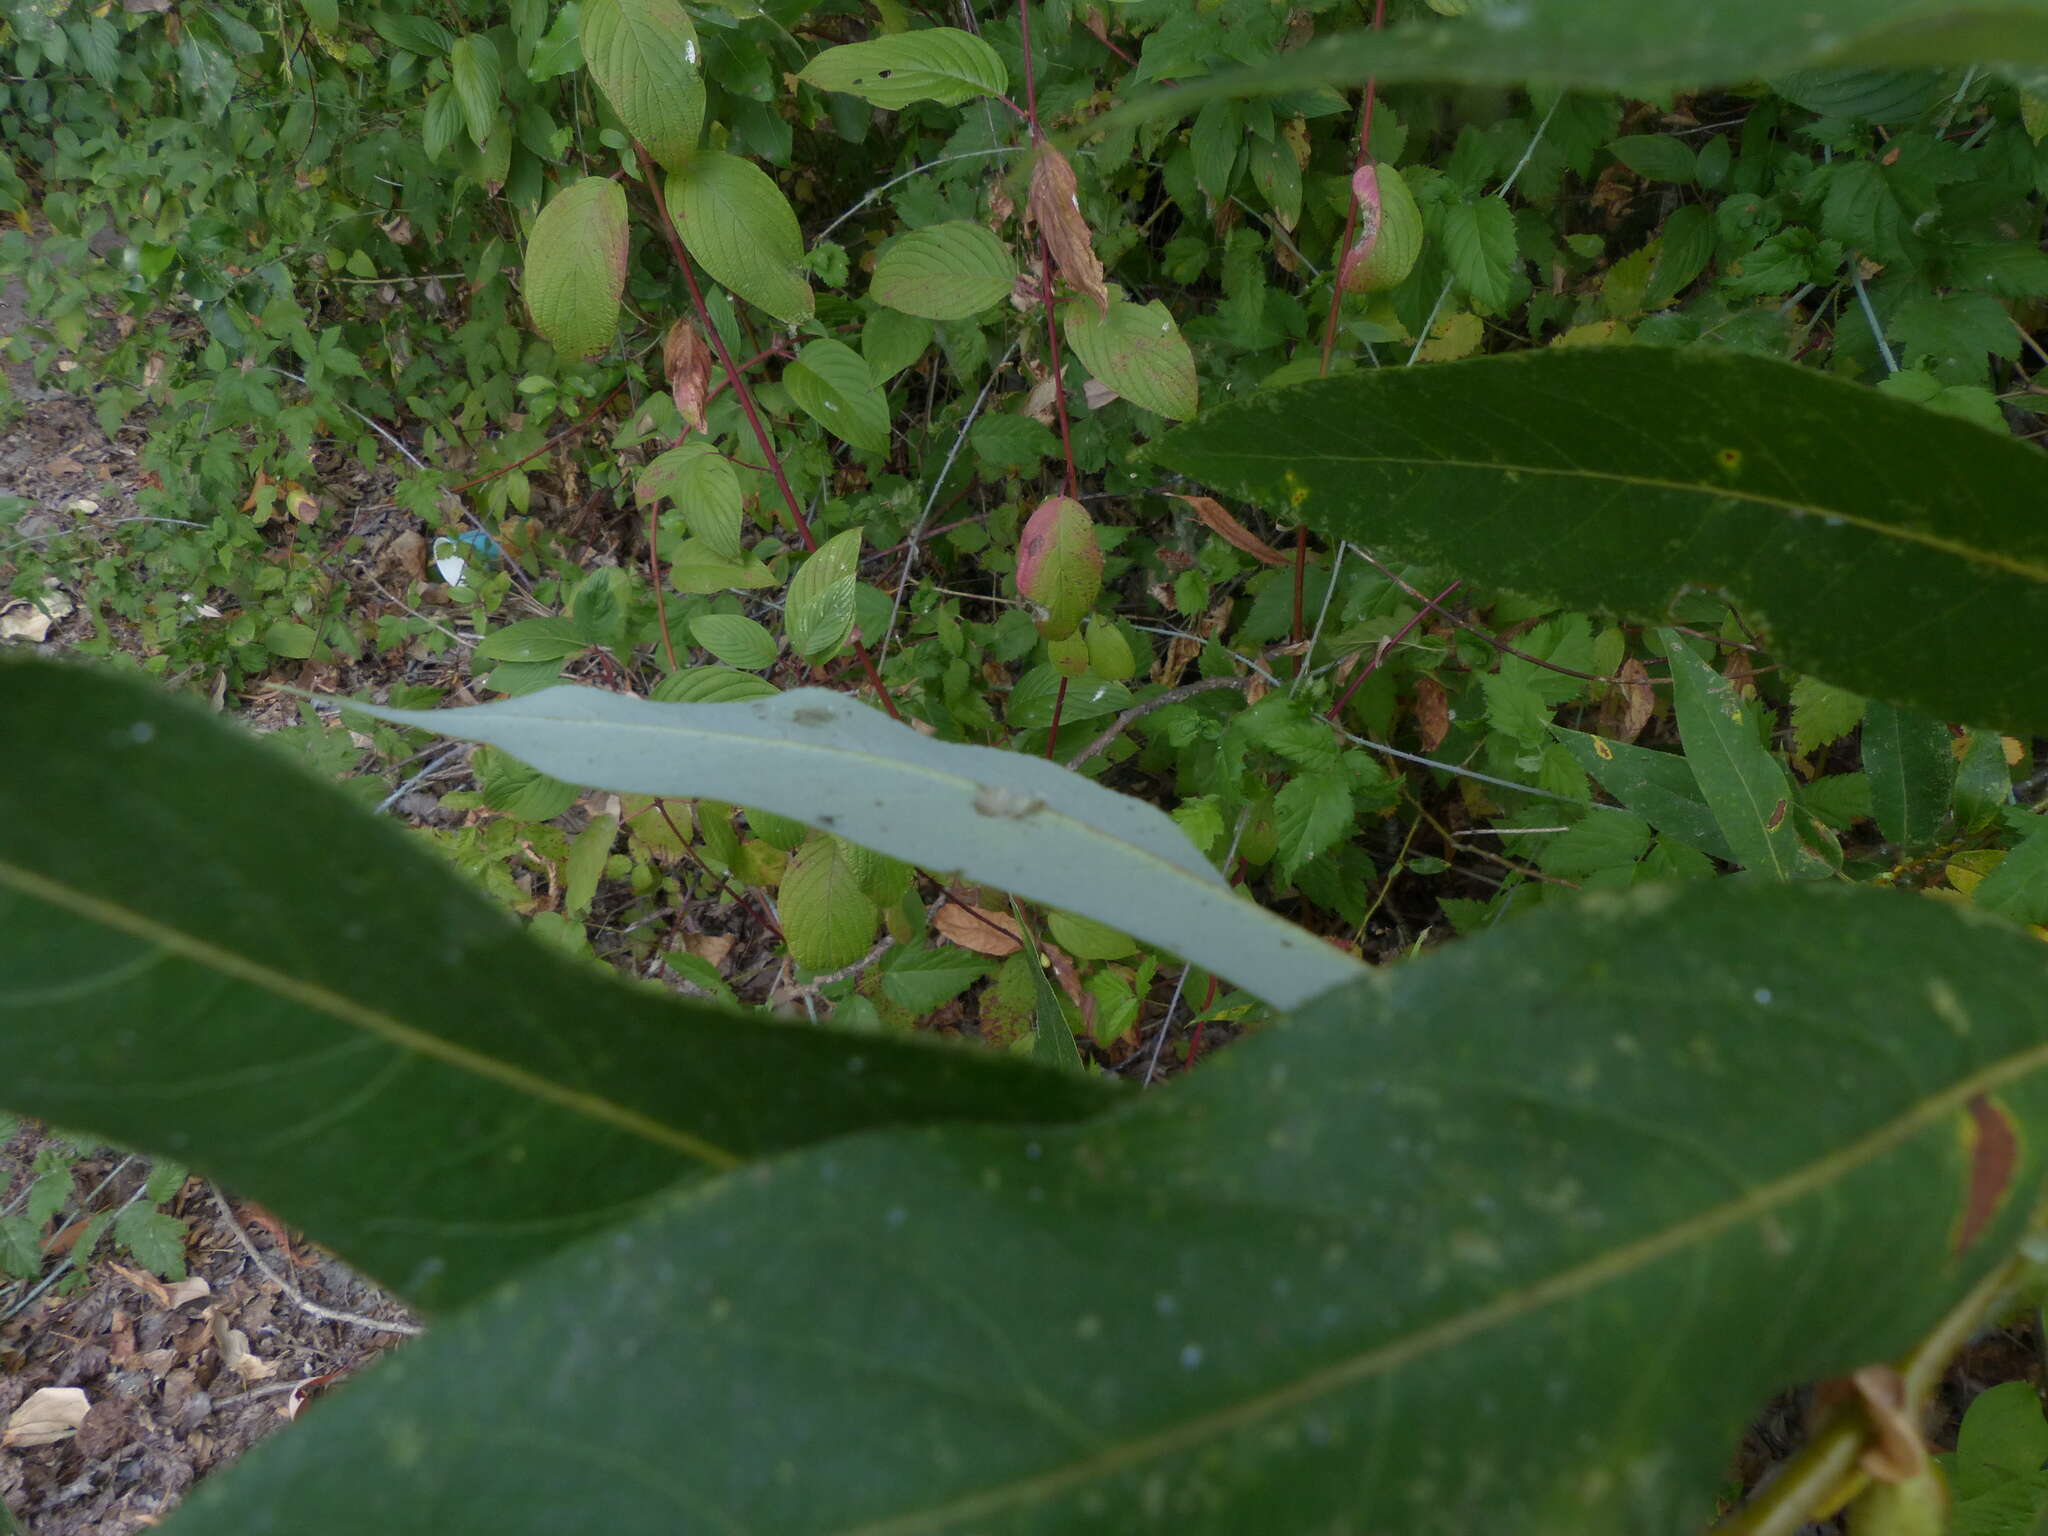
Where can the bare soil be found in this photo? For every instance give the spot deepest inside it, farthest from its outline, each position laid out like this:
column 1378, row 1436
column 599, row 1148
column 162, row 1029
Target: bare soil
column 171, row 1395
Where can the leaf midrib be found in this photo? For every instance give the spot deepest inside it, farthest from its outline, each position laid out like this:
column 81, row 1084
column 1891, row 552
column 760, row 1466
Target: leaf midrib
column 334, row 1005
column 1564, row 1285
column 2027, row 569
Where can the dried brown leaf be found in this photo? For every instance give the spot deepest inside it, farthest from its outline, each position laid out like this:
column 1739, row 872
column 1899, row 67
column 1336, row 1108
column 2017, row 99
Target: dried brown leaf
column 978, row 929
column 191, row 1288
column 235, row 1353
column 1639, row 699
column 711, row 948
column 1055, row 207
column 1219, row 522
column 1432, row 712
column 404, row 556
column 144, row 1282
column 686, row 360
column 46, row 1416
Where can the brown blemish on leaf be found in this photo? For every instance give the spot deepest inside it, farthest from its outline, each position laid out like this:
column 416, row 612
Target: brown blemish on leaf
column 1992, row 1144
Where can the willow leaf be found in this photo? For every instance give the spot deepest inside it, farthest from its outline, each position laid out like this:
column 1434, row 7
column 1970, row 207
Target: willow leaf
column 206, row 952
column 1017, row 822
column 1885, row 548
column 1628, row 46
column 1320, row 1285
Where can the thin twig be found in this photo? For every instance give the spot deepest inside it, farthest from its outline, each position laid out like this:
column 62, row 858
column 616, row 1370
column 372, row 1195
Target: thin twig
column 882, row 947
column 745, row 395
column 371, row 422
column 417, row 779
column 1361, row 673
column 567, row 432
column 1052, row 328
column 1244, row 818
column 298, row 1298
column 1358, row 163
column 931, row 499
column 1137, row 712
column 869, row 197
column 1487, row 635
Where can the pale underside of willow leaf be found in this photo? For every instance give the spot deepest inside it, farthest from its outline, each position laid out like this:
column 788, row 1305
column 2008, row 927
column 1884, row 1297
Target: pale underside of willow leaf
column 1017, row 822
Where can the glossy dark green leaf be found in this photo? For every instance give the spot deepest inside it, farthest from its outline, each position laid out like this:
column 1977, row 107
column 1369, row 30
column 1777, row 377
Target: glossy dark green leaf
column 1744, row 784
column 1628, row 45
column 1911, row 765
column 1983, row 781
column 1054, row 1046
column 1254, row 1301
column 206, row 952
column 2018, row 887
column 1657, row 786
column 474, row 67
column 1878, row 95
column 1889, row 549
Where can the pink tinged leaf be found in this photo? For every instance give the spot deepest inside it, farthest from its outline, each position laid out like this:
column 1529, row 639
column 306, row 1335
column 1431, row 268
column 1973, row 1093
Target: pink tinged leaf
column 1059, row 565
column 1365, row 187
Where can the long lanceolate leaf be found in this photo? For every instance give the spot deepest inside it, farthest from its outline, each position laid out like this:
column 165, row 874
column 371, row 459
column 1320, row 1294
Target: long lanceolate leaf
column 1017, row 822
column 1887, row 549
column 1481, row 1250
column 207, row 953
column 1630, row 45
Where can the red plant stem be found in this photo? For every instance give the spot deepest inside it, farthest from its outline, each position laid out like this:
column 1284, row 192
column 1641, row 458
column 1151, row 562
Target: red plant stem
column 1059, row 376
column 801, row 523
column 1030, row 81
column 1392, row 640
column 654, row 576
column 746, row 396
column 569, row 431
column 1059, row 703
column 1372, row 87
column 1298, row 631
column 661, row 809
column 1052, row 328
column 780, row 349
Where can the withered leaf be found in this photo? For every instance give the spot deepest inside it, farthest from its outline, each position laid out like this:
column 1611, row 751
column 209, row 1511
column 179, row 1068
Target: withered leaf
column 1055, row 207
column 1231, row 531
column 687, row 361
column 1432, row 712
column 46, row 1416
column 978, row 929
